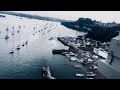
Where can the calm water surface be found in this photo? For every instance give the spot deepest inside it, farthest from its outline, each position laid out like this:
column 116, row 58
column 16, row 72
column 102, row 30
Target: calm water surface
column 27, row 63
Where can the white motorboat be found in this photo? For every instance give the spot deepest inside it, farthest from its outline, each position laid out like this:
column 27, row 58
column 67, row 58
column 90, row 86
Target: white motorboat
column 77, row 66
column 80, row 75
column 90, row 74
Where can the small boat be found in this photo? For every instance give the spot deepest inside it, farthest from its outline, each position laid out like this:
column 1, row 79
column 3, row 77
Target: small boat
column 72, row 58
column 51, row 38
column 6, row 37
column 89, row 78
column 46, row 73
column 18, row 47
column 26, row 42
column 80, row 75
column 12, row 34
column 11, row 51
column 93, row 67
column 63, row 53
column 90, row 74
column 77, row 66
column 23, row 44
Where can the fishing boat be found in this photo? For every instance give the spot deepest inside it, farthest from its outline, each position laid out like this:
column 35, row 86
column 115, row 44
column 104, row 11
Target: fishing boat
column 46, row 73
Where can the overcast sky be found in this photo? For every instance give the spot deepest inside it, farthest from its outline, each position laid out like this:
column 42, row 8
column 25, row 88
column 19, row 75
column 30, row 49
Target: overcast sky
column 105, row 16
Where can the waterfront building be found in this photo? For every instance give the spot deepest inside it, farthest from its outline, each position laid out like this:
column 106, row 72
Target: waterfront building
column 110, row 67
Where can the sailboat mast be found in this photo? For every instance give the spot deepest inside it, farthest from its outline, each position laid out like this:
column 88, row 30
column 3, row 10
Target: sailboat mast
column 13, row 41
column 27, row 35
column 19, row 35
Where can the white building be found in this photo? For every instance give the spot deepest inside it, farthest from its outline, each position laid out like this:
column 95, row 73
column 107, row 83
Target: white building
column 110, row 67
column 100, row 52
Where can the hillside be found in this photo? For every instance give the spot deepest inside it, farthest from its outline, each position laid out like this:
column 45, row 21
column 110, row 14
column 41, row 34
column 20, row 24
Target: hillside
column 96, row 30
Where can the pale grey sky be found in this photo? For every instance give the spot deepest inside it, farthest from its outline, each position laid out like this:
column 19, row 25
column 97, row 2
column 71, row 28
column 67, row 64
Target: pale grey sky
column 105, row 16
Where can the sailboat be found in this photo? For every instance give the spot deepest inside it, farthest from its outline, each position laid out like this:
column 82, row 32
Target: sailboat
column 27, row 39
column 7, row 37
column 18, row 47
column 12, row 50
column 13, row 31
column 23, row 44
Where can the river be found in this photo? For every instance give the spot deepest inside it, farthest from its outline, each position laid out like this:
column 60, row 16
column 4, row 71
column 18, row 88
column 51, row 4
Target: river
column 27, row 62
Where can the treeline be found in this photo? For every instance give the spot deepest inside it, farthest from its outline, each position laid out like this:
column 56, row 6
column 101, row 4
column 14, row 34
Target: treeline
column 33, row 16
column 103, row 34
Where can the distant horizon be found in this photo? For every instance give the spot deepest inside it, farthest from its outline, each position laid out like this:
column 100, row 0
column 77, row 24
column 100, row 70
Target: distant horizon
column 103, row 16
